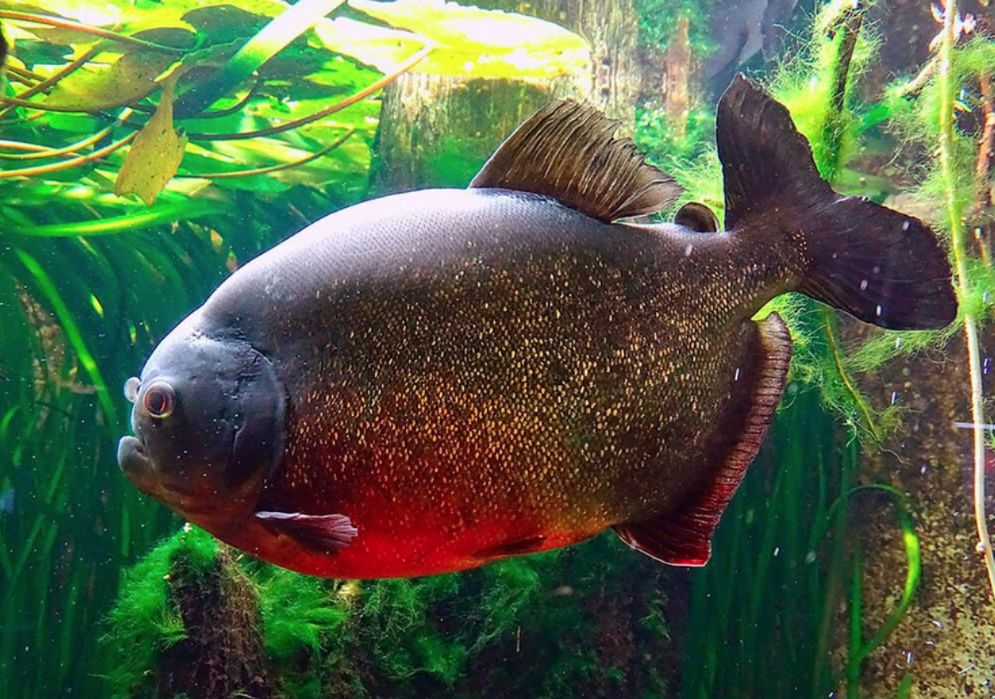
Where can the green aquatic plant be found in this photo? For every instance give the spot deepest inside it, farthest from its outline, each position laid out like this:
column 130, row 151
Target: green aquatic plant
column 658, row 20
column 817, row 88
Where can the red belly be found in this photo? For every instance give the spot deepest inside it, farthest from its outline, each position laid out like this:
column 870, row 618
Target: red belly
column 391, row 542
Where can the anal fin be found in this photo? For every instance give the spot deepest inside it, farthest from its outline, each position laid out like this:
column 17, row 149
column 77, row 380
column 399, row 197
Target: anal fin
column 684, row 537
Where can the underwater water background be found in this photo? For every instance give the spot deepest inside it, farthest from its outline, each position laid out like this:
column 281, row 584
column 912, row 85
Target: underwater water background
column 148, row 148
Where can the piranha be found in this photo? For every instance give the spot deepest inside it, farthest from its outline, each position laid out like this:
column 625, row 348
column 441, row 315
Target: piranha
column 433, row 380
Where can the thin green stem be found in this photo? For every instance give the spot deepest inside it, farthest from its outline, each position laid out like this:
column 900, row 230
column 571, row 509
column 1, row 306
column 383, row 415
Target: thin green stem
column 959, row 242
column 111, row 225
column 68, row 70
column 68, row 164
column 274, row 168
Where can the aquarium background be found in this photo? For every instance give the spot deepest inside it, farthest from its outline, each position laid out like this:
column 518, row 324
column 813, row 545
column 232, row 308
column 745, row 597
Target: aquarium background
column 147, row 149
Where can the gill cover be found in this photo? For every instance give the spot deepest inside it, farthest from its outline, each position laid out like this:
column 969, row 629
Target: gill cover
column 260, row 425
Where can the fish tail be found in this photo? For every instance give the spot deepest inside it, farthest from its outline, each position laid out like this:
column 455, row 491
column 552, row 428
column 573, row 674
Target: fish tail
column 879, row 265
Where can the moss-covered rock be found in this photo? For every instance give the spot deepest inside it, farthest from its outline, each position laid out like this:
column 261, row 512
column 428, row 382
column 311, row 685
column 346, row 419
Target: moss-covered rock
column 187, row 623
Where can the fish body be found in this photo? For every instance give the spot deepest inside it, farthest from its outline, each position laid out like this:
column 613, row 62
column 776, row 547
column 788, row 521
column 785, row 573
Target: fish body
column 533, row 374
column 433, row 380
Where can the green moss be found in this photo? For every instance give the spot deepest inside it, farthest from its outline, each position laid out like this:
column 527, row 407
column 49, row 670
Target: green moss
column 299, row 613
column 809, row 86
column 401, row 615
column 143, row 621
column 915, row 119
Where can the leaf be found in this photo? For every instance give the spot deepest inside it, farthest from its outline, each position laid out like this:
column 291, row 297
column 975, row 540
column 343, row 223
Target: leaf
column 470, row 42
column 128, row 79
column 155, row 155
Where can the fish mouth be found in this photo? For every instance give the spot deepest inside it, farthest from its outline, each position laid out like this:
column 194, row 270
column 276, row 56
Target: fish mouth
column 135, row 463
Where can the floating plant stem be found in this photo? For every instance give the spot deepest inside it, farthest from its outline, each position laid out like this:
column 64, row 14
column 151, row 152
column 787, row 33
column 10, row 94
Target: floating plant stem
column 986, row 149
column 848, row 25
column 958, row 242
column 68, row 164
column 155, row 216
column 249, row 94
column 61, row 23
column 834, row 349
column 40, row 152
column 69, row 69
column 21, row 146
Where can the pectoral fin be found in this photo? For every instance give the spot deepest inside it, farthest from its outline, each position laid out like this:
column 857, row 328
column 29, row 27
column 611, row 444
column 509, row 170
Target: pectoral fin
column 323, row 533
column 684, row 537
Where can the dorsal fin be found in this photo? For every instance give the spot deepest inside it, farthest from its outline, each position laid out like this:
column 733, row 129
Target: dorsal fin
column 568, row 151
column 684, row 537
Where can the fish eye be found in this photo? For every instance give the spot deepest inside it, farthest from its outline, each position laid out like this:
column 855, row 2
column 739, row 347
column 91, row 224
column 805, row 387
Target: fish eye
column 159, row 400
column 131, row 388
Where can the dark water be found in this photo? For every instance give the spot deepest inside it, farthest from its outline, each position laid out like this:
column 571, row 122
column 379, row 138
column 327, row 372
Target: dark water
column 845, row 566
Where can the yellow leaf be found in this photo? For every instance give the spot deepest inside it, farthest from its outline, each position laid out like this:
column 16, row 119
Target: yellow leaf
column 128, row 79
column 468, row 41
column 155, row 155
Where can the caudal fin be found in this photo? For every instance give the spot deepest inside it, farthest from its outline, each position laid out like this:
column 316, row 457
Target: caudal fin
column 882, row 266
